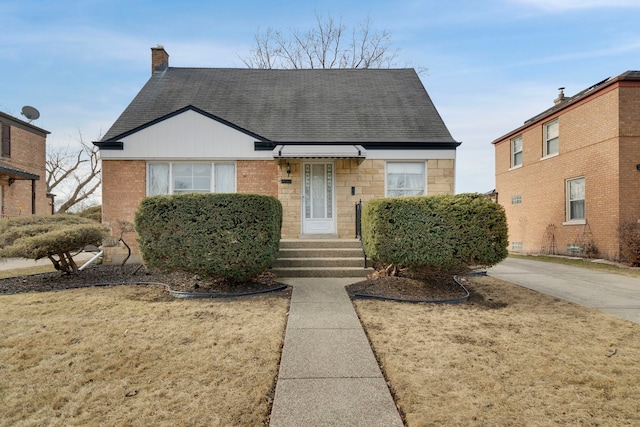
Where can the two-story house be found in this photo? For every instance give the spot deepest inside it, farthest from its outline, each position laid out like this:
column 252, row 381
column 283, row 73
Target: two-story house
column 569, row 177
column 23, row 189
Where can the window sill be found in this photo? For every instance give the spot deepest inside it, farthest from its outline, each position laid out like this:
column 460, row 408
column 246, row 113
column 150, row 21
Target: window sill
column 514, row 168
column 575, row 222
column 550, row 156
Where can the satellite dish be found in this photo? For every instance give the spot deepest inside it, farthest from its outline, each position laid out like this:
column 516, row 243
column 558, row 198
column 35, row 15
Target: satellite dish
column 30, row 113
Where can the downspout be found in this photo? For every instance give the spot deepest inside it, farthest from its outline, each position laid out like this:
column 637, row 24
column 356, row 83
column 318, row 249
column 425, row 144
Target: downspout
column 33, row 197
column 95, row 257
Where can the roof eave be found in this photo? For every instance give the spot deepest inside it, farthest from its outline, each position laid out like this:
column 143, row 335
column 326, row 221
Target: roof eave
column 556, row 109
column 24, row 125
column 115, row 143
column 368, row 145
column 13, row 172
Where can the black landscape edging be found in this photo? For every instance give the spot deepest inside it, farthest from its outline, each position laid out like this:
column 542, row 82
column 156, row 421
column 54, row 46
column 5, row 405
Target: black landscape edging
column 187, row 295
column 434, row 301
column 180, row 294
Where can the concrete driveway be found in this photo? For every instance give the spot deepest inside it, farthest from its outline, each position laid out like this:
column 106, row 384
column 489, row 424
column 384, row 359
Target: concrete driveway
column 611, row 293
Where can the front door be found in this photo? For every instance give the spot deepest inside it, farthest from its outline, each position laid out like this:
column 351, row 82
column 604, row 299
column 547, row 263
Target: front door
column 318, row 198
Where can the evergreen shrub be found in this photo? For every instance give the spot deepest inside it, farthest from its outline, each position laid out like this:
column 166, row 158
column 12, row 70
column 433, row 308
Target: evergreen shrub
column 92, row 212
column 49, row 236
column 445, row 233
column 235, row 236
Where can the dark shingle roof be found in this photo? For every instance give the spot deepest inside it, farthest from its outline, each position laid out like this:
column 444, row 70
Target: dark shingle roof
column 336, row 105
column 627, row 75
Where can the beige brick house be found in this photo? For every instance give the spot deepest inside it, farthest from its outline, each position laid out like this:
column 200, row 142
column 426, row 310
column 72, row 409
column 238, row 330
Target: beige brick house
column 23, row 189
column 318, row 140
column 569, row 177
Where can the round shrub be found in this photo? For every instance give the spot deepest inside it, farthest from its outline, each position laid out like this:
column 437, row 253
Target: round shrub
column 213, row 235
column 442, row 233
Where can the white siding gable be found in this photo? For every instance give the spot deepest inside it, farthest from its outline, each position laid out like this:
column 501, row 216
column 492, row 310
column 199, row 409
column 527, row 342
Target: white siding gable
column 189, row 135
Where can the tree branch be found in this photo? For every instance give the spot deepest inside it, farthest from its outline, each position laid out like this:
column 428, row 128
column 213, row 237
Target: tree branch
column 76, row 175
column 322, row 47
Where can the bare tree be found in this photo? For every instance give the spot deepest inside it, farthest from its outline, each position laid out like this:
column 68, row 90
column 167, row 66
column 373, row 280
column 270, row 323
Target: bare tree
column 77, row 174
column 329, row 44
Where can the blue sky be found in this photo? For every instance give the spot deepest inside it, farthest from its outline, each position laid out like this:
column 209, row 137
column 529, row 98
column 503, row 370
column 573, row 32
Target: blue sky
column 491, row 64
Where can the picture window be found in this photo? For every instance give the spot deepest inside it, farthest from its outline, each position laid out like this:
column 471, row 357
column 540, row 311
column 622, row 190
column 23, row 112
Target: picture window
column 405, row 179
column 183, row 177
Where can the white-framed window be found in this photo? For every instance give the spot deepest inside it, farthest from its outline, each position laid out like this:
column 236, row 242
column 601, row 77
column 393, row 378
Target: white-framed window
column 516, row 151
column 551, row 138
column 190, row 177
column 575, row 195
column 405, row 179
column 516, row 246
column 516, row 200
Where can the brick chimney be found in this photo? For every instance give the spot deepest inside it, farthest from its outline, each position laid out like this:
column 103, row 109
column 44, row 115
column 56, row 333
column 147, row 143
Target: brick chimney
column 159, row 59
column 560, row 97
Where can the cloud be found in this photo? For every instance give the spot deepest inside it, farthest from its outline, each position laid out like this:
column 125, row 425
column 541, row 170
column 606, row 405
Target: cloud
column 563, row 5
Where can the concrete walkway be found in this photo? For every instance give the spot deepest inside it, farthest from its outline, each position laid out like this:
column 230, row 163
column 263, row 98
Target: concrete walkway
column 328, row 373
column 611, row 293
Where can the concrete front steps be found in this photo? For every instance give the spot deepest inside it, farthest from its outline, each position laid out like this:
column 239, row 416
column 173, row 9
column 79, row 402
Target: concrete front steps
column 320, row 258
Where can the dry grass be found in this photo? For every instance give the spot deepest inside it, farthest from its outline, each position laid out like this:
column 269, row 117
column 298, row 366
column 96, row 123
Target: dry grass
column 127, row 355
column 36, row 269
column 509, row 357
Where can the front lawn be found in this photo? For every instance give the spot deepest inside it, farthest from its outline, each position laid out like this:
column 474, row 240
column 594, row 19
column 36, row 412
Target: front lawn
column 129, row 355
column 510, row 356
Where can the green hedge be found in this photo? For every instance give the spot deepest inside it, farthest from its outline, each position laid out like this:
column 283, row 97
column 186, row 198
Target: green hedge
column 230, row 235
column 446, row 233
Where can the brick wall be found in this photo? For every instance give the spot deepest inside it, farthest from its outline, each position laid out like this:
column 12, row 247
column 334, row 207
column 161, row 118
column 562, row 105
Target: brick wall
column 123, row 187
column 28, row 152
column 440, row 176
column 368, row 180
column 257, row 177
column 590, row 147
column 629, row 154
column 290, row 196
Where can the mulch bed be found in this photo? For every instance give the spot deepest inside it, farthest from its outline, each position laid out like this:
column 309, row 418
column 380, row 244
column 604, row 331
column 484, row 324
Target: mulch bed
column 405, row 288
column 132, row 274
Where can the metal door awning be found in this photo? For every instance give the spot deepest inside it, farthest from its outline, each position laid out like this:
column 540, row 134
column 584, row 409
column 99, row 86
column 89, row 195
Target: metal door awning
column 319, row 151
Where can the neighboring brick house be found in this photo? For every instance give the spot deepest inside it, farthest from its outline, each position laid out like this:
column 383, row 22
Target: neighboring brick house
column 570, row 176
column 23, row 188
column 318, row 140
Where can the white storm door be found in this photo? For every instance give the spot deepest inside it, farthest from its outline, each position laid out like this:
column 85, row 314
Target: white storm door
column 318, row 198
